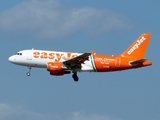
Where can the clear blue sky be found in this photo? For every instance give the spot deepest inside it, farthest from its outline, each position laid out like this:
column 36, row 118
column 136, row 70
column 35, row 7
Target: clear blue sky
column 108, row 27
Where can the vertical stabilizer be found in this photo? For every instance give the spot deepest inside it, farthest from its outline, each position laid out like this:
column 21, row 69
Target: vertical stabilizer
column 138, row 48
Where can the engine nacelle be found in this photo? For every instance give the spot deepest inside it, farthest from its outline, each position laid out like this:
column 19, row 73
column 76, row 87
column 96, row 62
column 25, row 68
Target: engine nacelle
column 55, row 68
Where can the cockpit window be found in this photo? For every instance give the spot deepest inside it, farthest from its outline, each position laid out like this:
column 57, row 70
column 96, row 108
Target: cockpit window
column 18, row 53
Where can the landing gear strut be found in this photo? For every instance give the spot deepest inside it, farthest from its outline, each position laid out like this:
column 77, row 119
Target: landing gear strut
column 29, row 72
column 75, row 77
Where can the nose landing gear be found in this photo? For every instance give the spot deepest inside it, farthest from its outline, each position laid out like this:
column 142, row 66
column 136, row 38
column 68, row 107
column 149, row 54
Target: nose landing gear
column 29, row 72
column 75, row 77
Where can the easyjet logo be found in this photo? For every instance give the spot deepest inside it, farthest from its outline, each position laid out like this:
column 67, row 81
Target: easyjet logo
column 54, row 56
column 136, row 45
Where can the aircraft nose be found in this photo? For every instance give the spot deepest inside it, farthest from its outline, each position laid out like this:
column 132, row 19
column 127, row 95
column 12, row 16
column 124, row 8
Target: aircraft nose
column 11, row 59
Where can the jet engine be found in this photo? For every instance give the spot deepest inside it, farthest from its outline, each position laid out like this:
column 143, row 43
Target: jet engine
column 55, row 68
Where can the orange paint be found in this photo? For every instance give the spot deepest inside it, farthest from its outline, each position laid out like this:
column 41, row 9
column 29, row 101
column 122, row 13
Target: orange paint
column 43, row 55
column 104, row 63
column 36, row 54
column 138, row 48
column 60, row 63
column 51, row 56
column 124, row 61
column 68, row 56
column 54, row 56
column 54, row 66
column 58, row 56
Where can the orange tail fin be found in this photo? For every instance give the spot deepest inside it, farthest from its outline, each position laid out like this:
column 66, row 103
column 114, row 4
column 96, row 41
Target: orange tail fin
column 138, row 48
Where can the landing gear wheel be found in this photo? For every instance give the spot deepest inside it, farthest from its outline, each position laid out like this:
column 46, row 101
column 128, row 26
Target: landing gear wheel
column 28, row 73
column 75, row 77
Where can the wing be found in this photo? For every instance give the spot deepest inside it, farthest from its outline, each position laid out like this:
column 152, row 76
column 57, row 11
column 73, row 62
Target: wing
column 75, row 63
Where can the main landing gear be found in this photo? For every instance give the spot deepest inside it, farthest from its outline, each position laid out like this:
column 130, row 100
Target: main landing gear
column 75, row 77
column 29, row 71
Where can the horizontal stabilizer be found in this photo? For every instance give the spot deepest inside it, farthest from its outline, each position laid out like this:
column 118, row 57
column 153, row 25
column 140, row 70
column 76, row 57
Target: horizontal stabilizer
column 134, row 63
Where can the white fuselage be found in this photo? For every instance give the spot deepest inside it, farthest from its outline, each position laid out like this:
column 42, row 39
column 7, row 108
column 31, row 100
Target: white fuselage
column 40, row 58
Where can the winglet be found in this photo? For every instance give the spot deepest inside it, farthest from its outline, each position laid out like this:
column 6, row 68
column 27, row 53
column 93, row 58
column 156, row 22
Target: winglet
column 138, row 48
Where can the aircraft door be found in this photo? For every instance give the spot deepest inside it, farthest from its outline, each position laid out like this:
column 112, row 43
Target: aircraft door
column 117, row 62
column 29, row 55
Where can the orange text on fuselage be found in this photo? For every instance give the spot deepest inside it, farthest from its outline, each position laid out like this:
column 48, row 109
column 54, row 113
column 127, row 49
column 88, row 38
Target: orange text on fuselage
column 54, row 55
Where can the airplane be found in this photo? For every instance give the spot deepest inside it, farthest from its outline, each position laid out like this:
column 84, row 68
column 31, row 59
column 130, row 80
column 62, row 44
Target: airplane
column 61, row 63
